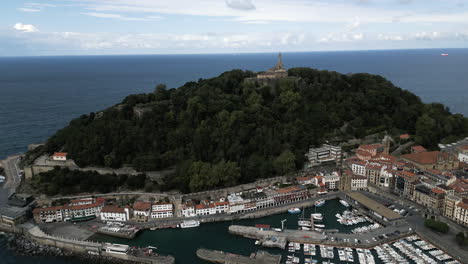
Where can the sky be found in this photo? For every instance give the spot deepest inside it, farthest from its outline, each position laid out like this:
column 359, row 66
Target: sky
column 102, row 27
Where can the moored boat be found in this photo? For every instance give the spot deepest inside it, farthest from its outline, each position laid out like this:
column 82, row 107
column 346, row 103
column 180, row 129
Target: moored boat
column 294, row 210
column 344, row 203
column 319, row 203
column 189, row 224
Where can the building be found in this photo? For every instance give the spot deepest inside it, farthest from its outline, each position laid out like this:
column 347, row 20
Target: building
column 405, row 182
column 463, row 153
column 358, row 183
column 439, row 177
column 460, row 188
column 386, row 178
column 331, row 180
column 114, row 214
column 15, row 210
column 276, row 72
column 373, row 172
column 450, row 202
column 366, row 152
column 162, row 210
column 323, row 154
column 188, row 209
column 461, row 213
column 306, row 180
column 377, row 210
column 418, row 149
column 432, row 198
column 141, row 211
column 357, row 166
column 76, row 210
column 433, row 160
column 59, row 156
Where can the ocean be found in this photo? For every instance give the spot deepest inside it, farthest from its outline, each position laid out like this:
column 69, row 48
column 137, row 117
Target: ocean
column 39, row 95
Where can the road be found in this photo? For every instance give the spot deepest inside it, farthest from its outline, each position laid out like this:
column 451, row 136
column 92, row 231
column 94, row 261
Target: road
column 12, row 173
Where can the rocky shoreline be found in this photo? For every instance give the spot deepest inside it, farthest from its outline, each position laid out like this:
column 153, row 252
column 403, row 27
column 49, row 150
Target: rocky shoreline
column 24, row 247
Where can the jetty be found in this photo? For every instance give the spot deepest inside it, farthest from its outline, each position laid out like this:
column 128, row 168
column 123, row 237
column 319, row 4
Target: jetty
column 273, row 238
column 215, row 256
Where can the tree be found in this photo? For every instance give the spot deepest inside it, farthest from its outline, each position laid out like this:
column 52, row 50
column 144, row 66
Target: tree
column 436, row 225
column 285, row 163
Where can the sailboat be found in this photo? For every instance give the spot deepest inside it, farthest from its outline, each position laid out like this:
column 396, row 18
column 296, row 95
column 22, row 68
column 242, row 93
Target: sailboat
column 303, row 221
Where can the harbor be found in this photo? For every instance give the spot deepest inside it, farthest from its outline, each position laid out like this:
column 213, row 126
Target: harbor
column 215, row 236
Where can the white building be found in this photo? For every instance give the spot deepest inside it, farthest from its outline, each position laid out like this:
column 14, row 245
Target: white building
column 221, row 207
column 461, row 213
column 162, row 210
column 114, row 213
column 386, row 176
column 358, row 183
column 188, row 209
column 331, row 180
column 236, row 203
column 463, row 154
column 59, row 156
column 359, row 167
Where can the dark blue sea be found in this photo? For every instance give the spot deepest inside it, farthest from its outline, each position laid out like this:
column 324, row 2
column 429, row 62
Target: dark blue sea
column 39, row 95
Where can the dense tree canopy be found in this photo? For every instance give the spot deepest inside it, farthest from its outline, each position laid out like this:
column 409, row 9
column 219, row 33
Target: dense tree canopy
column 225, row 130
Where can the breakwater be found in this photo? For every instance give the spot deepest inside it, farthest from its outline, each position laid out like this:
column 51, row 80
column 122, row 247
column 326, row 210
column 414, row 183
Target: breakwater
column 33, row 241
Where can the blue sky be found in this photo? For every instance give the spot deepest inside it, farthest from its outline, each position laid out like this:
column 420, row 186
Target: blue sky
column 75, row 27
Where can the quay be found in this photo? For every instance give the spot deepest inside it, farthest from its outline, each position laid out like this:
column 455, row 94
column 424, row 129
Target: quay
column 279, row 239
column 216, row 256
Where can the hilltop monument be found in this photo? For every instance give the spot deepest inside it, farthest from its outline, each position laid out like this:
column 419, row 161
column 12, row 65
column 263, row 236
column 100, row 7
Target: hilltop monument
column 276, row 72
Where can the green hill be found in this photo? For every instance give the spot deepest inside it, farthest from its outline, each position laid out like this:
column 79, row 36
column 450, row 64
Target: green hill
column 225, row 130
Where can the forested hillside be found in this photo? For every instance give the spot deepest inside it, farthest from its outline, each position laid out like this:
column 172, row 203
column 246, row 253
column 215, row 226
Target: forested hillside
column 223, row 131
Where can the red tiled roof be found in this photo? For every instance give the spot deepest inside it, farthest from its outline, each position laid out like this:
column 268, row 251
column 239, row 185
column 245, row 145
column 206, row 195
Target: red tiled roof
column 371, row 146
column 463, row 205
column 364, row 153
column 404, row 136
column 408, row 175
column 437, row 190
column 289, row 189
column 47, row 209
column 262, row 226
column 221, row 203
column 306, row 178
column 112, row 209
column 60, row 154
column 424, row 157
column 418, row 149
column 142, row 206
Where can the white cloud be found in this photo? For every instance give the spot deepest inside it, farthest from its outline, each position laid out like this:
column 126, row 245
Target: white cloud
column 24, row 9
column 279, row 10
column 25, row 27
column 354, row 25
column 240, row 4
column 121, row 17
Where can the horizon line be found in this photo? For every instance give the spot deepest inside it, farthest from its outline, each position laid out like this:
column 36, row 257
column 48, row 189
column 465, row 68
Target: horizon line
column 221, row 53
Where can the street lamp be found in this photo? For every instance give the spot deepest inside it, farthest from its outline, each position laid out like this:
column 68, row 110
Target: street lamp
column 282, row 224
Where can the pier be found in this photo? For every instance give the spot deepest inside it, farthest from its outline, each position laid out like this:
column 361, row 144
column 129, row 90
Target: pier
column 216, row 256
column 279, row 239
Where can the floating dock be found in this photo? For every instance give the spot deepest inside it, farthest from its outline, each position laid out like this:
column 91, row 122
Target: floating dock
column 215, row 256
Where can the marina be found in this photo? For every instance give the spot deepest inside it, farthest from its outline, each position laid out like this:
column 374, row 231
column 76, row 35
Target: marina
column 185, row 242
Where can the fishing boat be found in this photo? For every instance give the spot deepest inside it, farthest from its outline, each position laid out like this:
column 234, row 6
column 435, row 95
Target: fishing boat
column 189, row 224
column 319, row 203
column 344, row 203
column 294, row 210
